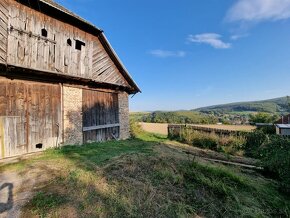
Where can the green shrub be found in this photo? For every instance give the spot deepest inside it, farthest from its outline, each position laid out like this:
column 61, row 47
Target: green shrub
column 270, row 130
column 254, row 141
column 229, row 144
column 206, row 141
column 135, row 128
column 232, row 144
column 275, row 157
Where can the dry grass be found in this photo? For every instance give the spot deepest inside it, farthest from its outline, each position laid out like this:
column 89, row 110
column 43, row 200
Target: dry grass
column 162, row 128
column 146, row 177
column 246, row 128
column 159, row 128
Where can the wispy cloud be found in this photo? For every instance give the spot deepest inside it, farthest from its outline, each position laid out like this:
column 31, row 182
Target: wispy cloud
column 238, row 36
column 259, row 10
column 212, row 39
column 165, row 54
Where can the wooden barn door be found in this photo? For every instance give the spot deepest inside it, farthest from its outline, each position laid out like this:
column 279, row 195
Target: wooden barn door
column 100, row 116
column 30, row 115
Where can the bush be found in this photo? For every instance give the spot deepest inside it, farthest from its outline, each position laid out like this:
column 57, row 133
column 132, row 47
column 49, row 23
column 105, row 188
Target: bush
column 135, row 128
column 209, row 141
column 232, row 144
column 270, row 130
column 254, row 141
column 229, row 144
column 275, row 157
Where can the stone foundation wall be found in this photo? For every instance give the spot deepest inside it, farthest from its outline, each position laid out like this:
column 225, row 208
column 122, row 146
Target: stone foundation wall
column 124, row 115
column 73, row 119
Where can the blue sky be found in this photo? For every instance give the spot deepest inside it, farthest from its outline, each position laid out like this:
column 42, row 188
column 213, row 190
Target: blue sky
column 186, row 54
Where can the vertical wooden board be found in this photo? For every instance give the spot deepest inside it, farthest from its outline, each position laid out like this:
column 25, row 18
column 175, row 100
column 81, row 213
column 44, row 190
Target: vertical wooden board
column 3, row 31
column 101, row 108
column 2, row 139
column 3, row 98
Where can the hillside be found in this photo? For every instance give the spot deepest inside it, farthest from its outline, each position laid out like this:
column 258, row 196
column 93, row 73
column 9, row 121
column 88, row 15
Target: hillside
column 276, row 105
column 174, row 117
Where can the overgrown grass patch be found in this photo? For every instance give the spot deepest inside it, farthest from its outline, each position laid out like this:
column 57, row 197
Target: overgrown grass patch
column 44, row 202
column 131, row 179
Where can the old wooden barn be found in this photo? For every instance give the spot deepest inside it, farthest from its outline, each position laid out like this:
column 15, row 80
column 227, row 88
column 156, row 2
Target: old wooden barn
column 60, row 80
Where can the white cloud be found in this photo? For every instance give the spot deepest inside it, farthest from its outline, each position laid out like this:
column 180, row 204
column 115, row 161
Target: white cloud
column 259, row 10
column 238, row 36
column 212, row 39
column 165, row 54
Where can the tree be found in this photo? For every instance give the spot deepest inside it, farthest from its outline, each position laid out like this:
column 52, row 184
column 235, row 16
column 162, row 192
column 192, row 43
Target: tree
column 288, row 103
column 262, row 117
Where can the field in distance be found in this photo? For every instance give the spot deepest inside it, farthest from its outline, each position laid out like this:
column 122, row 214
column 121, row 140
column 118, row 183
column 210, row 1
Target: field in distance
column 161, row 128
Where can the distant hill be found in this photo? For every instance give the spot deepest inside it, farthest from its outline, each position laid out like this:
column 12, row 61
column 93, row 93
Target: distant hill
column 174, row 117
column 276, row 105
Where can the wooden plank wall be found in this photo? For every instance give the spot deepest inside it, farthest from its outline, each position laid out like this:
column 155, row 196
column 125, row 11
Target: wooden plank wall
column 100, row 108
column 28, row 49
column 31, row 114
column 3, row 30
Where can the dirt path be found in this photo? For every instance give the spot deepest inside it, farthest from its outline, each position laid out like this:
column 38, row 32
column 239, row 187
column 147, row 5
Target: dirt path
column 16, row 189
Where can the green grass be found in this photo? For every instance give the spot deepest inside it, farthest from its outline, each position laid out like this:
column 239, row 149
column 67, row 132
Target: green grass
column 43, row 202
column 142, row 177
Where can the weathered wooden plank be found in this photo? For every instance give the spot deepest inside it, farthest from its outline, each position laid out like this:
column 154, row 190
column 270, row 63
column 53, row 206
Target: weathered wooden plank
column 100, row 115
column 3, row 31
column 37, row 107
column 100, row 127
column 28, row 48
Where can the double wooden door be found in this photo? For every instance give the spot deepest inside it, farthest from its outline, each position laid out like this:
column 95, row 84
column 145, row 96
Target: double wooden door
column 30, row 116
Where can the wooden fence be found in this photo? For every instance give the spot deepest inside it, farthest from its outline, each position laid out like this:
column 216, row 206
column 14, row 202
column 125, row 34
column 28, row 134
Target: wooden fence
column 175, row 130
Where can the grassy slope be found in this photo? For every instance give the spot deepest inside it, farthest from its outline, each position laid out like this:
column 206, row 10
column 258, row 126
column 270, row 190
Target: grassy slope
column 145, row 178
column 271, row 106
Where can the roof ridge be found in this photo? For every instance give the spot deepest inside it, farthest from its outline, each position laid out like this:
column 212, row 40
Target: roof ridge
column 58, row 6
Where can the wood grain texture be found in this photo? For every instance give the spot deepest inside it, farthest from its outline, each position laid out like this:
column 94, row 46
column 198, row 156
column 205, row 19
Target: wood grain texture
column 30, row 114
column 29, row 49
column 3, row 30
column 100, row 116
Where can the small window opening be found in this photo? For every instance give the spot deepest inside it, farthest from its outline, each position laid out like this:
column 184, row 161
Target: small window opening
column 39, row 146
column 79, row 44
column 69, row 42
column 44, row 32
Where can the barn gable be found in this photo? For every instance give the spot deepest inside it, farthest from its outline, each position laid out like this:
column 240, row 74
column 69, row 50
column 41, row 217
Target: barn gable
column 61, row 82
column 49, row 43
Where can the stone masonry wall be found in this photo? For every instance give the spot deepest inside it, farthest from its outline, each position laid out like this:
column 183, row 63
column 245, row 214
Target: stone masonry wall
column 124, row 115
column 73, row 119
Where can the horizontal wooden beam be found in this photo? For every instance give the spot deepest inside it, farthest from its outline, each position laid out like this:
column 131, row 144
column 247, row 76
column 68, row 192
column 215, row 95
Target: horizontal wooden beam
column 32, row 35
column 90, row 128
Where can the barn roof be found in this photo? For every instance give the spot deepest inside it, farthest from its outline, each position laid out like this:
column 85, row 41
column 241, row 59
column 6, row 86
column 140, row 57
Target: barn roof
column 83, row 24
column 64, row 10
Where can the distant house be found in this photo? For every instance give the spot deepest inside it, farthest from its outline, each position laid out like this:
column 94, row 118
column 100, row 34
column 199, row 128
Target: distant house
column 284, row 120
column 283, row 129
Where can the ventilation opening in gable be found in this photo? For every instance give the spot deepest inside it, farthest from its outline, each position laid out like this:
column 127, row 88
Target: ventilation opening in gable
column 79, row 45
column 44, row 32
column 69, row 42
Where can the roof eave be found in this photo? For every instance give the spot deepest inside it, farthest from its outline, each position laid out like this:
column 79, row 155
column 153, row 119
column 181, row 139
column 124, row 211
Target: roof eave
column 116, row 58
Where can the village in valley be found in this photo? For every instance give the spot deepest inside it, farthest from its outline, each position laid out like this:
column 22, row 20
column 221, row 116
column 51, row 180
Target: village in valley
column 81, row 136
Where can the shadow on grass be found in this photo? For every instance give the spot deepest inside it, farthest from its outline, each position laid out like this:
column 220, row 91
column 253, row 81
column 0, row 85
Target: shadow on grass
column 6, row 190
